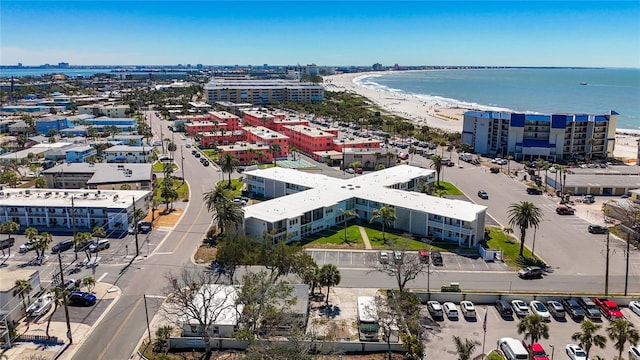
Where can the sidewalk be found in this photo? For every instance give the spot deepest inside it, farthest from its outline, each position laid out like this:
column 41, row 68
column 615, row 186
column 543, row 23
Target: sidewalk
column 365, row 238
column 79, row 331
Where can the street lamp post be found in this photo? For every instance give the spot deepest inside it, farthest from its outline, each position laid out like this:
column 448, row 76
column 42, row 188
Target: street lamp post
column 553, row 349
column 606, row 276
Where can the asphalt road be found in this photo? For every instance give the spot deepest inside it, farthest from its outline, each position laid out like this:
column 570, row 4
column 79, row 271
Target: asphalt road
column 119, row 332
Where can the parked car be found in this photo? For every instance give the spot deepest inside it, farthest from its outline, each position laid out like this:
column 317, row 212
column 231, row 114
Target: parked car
column 565, row 210
column 520, row 308
column 467, row 308
column 538, row 308
column 197, row 154
column 7, row 243
column 573, row 308
column 590, row 308
column 435, row 309
column 26, row 247
column 483, row 194
column 588, row 199
column 608, row 308
column 534, row 191
column 62, row 246
column 575, row 352
column 634, row 305
column 194, row 151
column 556, row 309
column 102, row 244
column 436, row 258
column 598, row 229
column 82, row 246
column 80, row 298
column 536, row 351
column 384, row 257
column 530, row 272
column 424, row 256
column 450, row 309
column 634, row 352
column 397, row 257
column 504, row 308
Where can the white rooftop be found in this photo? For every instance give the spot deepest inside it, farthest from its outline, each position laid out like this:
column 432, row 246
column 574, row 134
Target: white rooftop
column 327, row 191
column 120, row 199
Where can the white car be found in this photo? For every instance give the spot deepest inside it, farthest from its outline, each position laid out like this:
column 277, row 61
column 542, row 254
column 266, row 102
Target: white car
column 575, row 352
column 468, row 310
column 26, row 247
column 450, row 310
column 634, row 352
column 634, row 305
column 538, row 308
column 520, row 308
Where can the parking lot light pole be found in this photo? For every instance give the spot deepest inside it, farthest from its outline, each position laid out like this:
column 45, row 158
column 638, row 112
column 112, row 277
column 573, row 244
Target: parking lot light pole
column 606, row 276
column 553, row 349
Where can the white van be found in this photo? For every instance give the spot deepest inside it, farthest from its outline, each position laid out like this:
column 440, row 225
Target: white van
column 512, row 349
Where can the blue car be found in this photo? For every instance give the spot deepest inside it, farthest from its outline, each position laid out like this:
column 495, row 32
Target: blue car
column 81, row 298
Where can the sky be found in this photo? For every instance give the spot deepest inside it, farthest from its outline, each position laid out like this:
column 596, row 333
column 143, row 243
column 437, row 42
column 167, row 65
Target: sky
column 474, row 33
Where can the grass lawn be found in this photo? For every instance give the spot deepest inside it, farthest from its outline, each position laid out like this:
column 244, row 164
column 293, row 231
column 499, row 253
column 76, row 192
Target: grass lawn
column 494, row 355
column 211, row 154
column 236, row 186
column 334, row 238
column 511, row 248
column 446, row 188
column 182, row 189
column 159, row 167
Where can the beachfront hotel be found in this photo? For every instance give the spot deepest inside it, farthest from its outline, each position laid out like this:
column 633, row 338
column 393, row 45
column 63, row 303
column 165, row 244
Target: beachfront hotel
column 531, row 136
column 262, row 92
column 303, row 204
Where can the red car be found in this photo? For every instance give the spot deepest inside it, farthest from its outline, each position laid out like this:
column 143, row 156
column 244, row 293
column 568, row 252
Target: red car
column 565, row 210
column 609, row 308
column 536, row 351
column 424, row 256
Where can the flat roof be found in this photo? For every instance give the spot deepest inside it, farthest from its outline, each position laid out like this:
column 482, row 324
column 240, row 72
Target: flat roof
column 223, row 115
column 105, row 172
column 309, row 131
column 241, row 145
column 125, row 148
column 264, row 133
column 62, row 198
column 326, row 191
column 9, row 277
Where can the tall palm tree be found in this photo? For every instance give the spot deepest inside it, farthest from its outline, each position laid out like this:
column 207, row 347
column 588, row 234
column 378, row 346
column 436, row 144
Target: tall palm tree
column 214, row 197
column 534, row 327
column 587, row 336
column 329, row 276
column 228, row 165
column 58, row 294
column 10, row 227
column 386, row 215
column 22, row 288
column 42, row 244
column 347, row 214
column 524, row 215
column 275, row 149
column 228, row 215
column 591, row 142
column 622, row 331
column 436, row 164
column 465, row 348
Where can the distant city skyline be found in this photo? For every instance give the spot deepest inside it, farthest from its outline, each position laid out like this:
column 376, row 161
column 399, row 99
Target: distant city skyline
column 580, row 34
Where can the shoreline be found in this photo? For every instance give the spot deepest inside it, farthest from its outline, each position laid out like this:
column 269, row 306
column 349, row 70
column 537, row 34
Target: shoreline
column 429, row 112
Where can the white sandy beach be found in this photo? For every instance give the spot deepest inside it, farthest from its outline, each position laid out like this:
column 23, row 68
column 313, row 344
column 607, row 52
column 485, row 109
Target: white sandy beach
column 431, row 113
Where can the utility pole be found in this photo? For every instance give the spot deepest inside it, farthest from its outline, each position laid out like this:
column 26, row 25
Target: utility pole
column 135, row 229
column 606, row 276
column 626, row 272
column 64, row 299
column 182, row 162
column 146, row 313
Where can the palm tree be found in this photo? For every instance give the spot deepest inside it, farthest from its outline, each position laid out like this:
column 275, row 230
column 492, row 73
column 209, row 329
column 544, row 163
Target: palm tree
column 591, row 142
column 89, row 282
column 228, row 165
column 347, row 214
column 42, row 244
column 534, row 327
column 386, row 215
column 436, row 164
column 621, row 332
column 228, row 215
column 58, row 294
column 275, row 148
column 329, row 276
column 465, row 348
column 81, row 238
column 214, row 197
column 22, row 288
column 163, row 333
column 587, row 336
column 524, row 215
column 10, row 227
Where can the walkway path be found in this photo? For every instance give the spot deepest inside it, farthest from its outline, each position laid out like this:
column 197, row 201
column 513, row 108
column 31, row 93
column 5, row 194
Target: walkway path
column 365, row 238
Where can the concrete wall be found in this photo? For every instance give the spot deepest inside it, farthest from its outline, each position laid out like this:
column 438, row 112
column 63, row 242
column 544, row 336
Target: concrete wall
column 323, row 347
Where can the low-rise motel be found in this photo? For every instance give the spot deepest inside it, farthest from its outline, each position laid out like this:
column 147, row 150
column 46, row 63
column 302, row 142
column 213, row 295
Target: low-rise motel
column 303, row 204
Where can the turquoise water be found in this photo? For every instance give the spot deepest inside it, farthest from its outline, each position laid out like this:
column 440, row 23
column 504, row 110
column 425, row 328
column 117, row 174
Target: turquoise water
column 524, row 90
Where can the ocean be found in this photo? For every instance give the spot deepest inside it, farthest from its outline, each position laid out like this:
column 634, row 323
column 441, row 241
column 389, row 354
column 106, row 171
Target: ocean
column 545, row 91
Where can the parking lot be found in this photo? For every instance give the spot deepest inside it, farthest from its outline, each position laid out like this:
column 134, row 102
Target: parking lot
column 440, row 333
column 370, row 258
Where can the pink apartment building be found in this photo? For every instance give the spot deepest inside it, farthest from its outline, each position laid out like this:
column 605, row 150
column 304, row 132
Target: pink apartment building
column 262, row 135
column 246, row 153
column 309, row 140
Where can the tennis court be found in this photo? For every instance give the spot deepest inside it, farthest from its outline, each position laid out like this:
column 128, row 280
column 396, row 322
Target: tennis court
column 295, row 164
